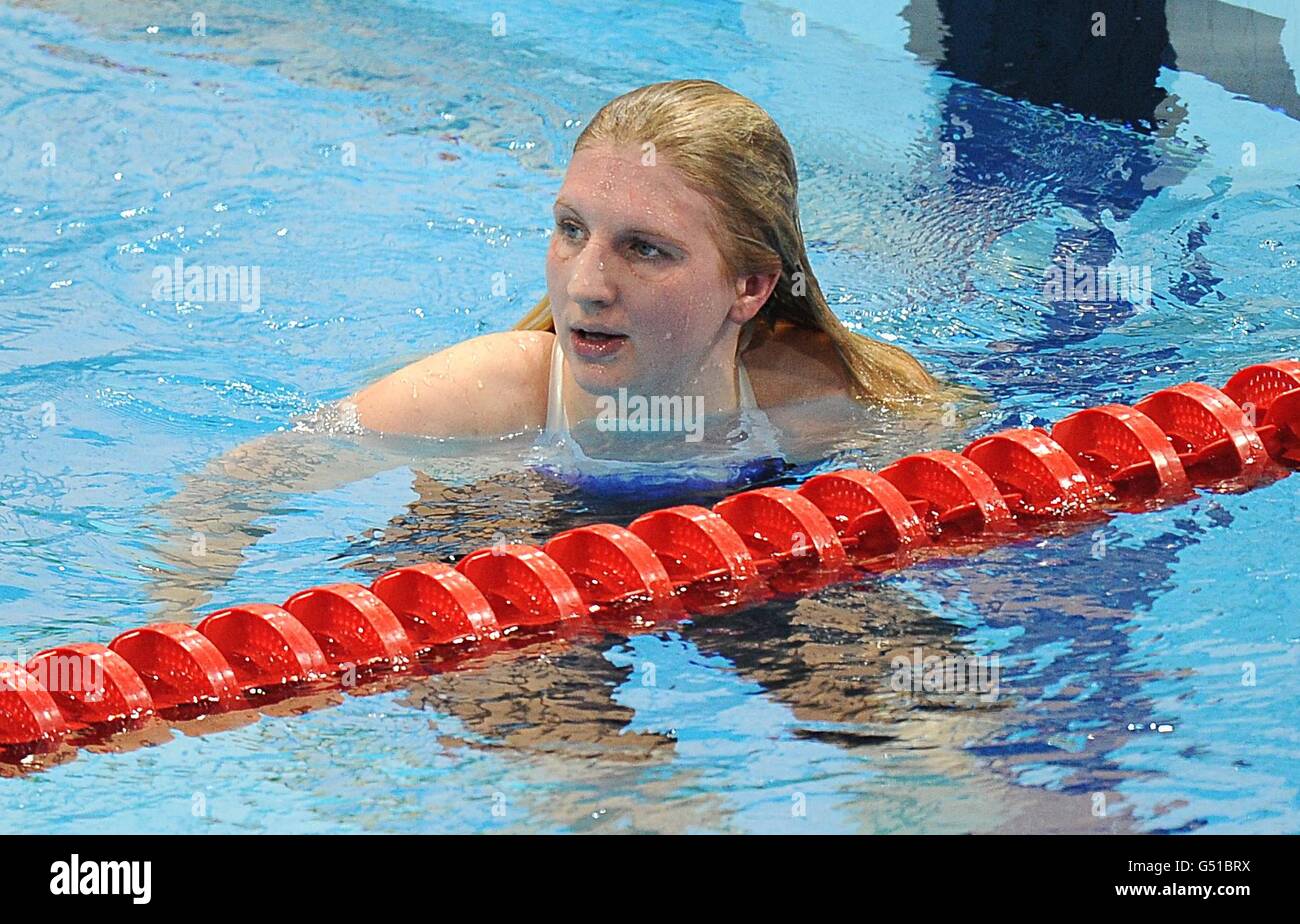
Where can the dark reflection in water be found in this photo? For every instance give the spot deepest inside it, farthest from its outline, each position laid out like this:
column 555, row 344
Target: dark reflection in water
column 1047, row 52
column 1005, row 156
column 1072, row 711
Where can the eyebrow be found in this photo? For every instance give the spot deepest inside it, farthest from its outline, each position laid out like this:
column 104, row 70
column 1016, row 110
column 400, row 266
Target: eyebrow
column 645, row 232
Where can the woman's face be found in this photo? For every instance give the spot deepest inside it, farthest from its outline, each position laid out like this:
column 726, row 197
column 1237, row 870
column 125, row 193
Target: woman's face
column 637, row 285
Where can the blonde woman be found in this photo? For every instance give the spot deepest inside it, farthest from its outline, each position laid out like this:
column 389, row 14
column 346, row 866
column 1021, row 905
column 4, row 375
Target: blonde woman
column 676, row 268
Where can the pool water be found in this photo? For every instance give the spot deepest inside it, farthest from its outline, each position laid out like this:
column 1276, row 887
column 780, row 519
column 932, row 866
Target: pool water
column 388, row 167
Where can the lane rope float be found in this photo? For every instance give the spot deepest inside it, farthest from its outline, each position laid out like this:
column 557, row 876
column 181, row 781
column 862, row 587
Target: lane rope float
column 669, row 563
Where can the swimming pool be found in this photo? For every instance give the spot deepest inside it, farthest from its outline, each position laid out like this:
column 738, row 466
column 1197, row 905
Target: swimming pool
column 385, row 168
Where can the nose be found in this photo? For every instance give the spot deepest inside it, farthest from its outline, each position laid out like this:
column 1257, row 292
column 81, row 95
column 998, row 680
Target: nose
column 591, row 284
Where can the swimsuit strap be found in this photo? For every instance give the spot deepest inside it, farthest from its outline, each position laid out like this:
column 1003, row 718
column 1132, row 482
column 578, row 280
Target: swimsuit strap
column 557, row 420
column 746, row 391
column 747, row 400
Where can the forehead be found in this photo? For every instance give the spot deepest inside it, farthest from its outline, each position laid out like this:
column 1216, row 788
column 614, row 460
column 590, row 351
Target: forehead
column 609, row 185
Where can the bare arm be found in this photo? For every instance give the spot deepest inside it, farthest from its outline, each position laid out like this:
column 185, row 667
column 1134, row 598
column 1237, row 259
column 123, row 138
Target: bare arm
column 201, row 533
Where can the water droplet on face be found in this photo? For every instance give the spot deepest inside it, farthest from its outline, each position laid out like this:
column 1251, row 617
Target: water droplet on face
column 480, row 384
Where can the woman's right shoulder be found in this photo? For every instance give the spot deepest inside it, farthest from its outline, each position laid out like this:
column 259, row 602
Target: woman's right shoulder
column 490, row 385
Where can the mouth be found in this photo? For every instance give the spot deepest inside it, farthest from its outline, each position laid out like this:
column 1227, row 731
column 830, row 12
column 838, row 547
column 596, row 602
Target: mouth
column 590, row 343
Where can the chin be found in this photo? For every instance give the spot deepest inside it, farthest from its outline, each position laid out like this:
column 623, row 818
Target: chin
column 605, row 378
column 601, row 380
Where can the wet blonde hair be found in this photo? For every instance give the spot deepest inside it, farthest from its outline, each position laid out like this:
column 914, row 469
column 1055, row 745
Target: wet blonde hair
column 731, row 151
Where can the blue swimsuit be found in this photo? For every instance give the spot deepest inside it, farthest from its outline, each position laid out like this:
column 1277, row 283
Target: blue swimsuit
column 749, row 451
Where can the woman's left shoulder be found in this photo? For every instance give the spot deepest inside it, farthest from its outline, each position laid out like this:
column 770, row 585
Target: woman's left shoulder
column 794, row 365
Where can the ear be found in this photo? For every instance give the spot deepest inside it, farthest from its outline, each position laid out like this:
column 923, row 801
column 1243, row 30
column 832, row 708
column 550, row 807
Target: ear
column 752, row 293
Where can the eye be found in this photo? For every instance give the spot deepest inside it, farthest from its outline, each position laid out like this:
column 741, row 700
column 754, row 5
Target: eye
column 647, row 251
column 568, row 229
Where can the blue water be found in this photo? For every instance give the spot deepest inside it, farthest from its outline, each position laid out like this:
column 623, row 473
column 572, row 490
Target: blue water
column 381, row 164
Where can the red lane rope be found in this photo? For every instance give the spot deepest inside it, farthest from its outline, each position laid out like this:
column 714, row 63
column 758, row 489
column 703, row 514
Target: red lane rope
column 679, row 560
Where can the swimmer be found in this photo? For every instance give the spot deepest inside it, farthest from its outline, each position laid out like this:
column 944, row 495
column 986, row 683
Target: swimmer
column 676, row 270
column 676, row 267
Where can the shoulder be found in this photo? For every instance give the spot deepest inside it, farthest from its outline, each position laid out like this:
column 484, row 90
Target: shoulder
column 490, row 385
column 798, row 364
column 794, row 365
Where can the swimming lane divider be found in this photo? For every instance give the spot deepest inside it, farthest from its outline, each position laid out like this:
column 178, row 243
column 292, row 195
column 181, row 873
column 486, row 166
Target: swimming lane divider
column 666, row 564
